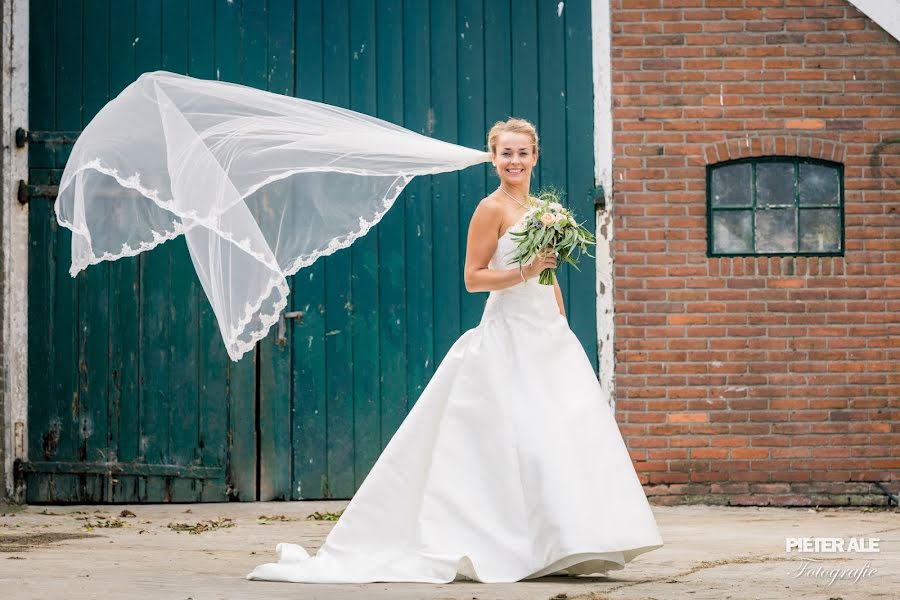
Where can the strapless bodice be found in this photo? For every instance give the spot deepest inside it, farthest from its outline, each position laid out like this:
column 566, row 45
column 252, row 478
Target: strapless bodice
column 528, row 298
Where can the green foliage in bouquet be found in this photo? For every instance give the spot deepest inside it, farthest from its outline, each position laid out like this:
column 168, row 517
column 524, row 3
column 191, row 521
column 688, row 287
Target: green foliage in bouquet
column 549, row 224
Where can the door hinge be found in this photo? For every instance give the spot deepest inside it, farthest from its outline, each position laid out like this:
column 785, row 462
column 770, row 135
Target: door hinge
column 26, row 192
column 23, row 136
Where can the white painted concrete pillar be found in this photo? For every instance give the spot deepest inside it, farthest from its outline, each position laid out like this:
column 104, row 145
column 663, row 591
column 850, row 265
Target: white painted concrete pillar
column 14, row 237
column 603, row 148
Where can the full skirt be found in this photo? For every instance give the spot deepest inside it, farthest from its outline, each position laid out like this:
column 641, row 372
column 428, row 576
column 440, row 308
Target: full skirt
column 509, row 466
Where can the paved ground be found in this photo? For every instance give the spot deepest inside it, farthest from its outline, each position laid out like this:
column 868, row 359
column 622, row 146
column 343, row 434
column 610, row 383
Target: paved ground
column 79, row 552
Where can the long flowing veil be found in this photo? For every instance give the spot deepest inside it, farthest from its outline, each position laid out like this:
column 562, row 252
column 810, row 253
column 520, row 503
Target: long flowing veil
column 260, row 184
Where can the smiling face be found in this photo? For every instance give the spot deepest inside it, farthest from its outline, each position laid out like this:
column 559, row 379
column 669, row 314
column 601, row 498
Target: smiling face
column 514, row 159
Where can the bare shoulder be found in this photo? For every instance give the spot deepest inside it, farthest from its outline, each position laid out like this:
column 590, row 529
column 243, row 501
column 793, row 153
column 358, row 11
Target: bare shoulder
column 488, row 214
column 491, row 204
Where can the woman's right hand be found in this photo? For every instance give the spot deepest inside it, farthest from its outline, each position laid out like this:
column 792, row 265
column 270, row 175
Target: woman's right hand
column 545, row 259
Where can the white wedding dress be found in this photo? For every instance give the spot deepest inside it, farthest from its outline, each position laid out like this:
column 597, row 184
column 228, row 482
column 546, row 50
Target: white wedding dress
column 509, row 466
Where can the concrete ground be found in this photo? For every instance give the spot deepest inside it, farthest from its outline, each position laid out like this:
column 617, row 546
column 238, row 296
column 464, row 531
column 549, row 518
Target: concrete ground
column 204, row 551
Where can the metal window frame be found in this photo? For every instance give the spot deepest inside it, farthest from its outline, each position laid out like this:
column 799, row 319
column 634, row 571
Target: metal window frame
column 796, row 161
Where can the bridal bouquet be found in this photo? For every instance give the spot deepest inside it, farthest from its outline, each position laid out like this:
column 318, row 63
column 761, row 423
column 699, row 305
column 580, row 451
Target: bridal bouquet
column 550, row 224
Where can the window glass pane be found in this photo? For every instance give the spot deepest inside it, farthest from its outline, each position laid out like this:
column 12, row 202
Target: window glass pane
column 774, row 184
column 775, row 230
column 775, row 205
column 732, row 231
column 731, row 185
column 820, row 230
column 818, row 185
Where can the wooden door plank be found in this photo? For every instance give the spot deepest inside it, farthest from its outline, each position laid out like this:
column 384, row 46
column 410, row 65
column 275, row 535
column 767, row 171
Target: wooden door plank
column 339, row 304
column 211, row 357
column 254, row 46
column 308, row 378
column 44, row 415
column 182, row 308
column 154, row 297
column 65, row 340
column 124, row 281
column 240, row 376
column 579, row 115
column 471, row 91
column 448, row 263
column 365, row 258
column 393, row 323
column 419, row 230
column 93, row 291
column 274, row 367
column 42, row 74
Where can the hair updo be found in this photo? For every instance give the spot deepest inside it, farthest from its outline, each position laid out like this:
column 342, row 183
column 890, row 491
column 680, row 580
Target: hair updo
column 514, row 126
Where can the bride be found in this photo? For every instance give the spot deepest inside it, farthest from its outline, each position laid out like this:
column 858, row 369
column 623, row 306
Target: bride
column 510, row 464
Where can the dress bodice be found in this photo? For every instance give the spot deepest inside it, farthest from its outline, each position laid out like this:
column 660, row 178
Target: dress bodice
column 527, row 298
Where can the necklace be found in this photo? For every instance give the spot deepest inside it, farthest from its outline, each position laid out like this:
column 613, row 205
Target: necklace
column 513, row 197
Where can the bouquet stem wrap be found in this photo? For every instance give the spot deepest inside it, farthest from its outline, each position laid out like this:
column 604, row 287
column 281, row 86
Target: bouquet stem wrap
column 260, row 185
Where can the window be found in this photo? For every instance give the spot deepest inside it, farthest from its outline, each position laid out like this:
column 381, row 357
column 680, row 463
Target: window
column 775, row 205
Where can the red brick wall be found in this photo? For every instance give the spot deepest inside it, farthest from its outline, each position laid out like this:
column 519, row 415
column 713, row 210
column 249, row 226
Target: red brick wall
column 761, row 380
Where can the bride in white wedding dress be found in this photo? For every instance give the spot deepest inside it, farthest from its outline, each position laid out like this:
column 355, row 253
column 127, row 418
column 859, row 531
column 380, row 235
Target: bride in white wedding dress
column 510, row 465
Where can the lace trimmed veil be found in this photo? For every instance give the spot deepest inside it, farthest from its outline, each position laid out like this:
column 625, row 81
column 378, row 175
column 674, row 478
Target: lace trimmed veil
column 260, row 184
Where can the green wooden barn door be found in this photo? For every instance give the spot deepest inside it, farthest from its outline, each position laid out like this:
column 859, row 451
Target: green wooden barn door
column 371, row 323
column 132, row 397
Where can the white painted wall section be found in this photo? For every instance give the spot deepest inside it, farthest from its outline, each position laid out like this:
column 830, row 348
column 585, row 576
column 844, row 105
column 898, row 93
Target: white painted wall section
column 14, row 108
column 603, row 163
column 884, row 12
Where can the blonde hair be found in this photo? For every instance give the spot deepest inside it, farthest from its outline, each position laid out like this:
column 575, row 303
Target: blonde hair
column 515, row 126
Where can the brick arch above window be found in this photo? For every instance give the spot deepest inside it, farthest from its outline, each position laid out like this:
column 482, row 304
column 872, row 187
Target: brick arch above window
column 773, row 145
